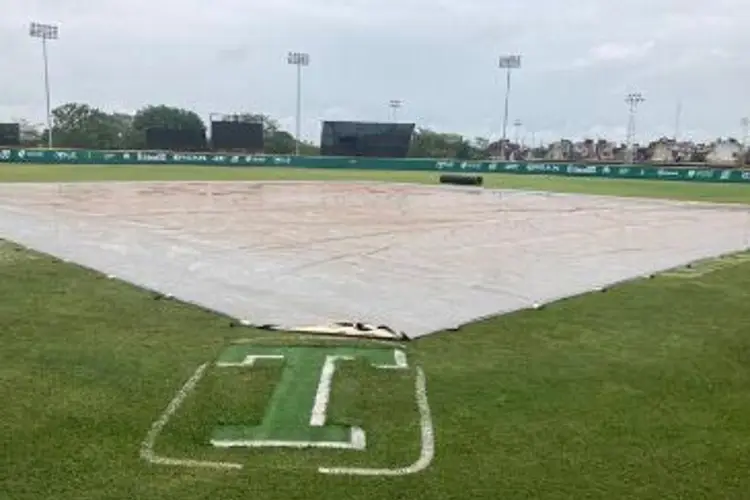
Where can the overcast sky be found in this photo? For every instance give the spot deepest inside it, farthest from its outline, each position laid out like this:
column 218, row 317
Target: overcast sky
column 580, row 58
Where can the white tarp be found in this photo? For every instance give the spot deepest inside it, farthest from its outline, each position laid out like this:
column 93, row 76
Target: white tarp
column 418, row 259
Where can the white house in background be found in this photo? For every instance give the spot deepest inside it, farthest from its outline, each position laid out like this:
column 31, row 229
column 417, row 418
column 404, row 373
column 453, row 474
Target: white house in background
column 534, row 154
column 589, row 150
column 559, row 151
column 663, row 151
column 585, row 150
column 605, row 150
column 724, row 152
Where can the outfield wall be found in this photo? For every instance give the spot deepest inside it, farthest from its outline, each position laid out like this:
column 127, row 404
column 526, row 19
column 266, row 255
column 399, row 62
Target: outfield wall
column 92, row 157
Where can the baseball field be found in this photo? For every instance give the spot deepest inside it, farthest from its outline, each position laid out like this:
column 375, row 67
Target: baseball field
column 638, row 391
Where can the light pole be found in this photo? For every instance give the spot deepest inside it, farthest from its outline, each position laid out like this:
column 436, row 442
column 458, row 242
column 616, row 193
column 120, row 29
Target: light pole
column 45, row 32
column 517, row 126
column 633, row 100
column 508, row 63
column 745, row 124
column 395, row 104
column 298, row 59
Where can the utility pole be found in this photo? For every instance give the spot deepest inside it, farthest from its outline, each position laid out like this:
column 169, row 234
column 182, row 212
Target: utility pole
column 298, row 59
column 633, row 100
column 46, row 32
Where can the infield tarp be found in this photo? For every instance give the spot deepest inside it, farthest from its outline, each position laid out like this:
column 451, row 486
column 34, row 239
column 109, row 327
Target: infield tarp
column 416, row 258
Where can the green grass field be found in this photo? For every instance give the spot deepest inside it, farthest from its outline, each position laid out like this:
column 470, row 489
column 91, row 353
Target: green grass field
column 729, row 193
column 639, row 393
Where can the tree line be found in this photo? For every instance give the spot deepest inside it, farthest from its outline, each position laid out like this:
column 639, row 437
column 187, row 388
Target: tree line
column 79, row 125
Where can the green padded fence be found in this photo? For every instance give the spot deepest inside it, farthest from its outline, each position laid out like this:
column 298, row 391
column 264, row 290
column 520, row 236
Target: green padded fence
column 91, row 157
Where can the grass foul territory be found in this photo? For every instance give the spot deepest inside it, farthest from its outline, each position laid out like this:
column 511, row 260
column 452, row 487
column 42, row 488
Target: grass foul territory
column 727, row 193
column 639, row 393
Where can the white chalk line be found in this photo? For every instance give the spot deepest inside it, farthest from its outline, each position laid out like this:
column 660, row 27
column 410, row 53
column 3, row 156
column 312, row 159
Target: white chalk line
column 249, row 360
column 357, row 441
column 323, row 393
column 427, row 447
column 147, row 446
column 399, row 360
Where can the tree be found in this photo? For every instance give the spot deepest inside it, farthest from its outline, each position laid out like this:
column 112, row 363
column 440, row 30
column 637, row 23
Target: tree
column 31, row 133
column 276, row 140
column 162, row 116
column 429, row 144
column 279, row 142
column 480, row 148
column 122, row 123
column 463, row 150
column 481, row 143
column 76, row 125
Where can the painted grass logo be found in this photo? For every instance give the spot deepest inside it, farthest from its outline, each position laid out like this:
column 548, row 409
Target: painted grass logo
column 296, row 416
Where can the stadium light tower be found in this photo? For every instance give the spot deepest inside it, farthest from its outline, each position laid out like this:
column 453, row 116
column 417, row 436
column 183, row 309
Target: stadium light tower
column 633, row 100
column 395, row 105
column 745, row 124
column 508, row 63
column 517, row 126
column 298, row 59
column 45, row 32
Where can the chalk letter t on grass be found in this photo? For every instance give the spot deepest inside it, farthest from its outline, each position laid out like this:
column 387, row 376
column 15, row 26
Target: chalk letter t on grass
column 296, row 414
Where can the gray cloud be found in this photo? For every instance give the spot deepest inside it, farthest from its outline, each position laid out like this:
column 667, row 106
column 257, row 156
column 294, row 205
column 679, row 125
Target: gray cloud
column 439, row 56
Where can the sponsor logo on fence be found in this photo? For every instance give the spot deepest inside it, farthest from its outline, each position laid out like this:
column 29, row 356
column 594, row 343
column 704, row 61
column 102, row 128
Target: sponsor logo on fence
column 580, row 170
column 546, row 168
column 665, row 172
column 64, row 155
column 149, row 157
column 703, row 174
column 190, row 157
column 282, row 160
